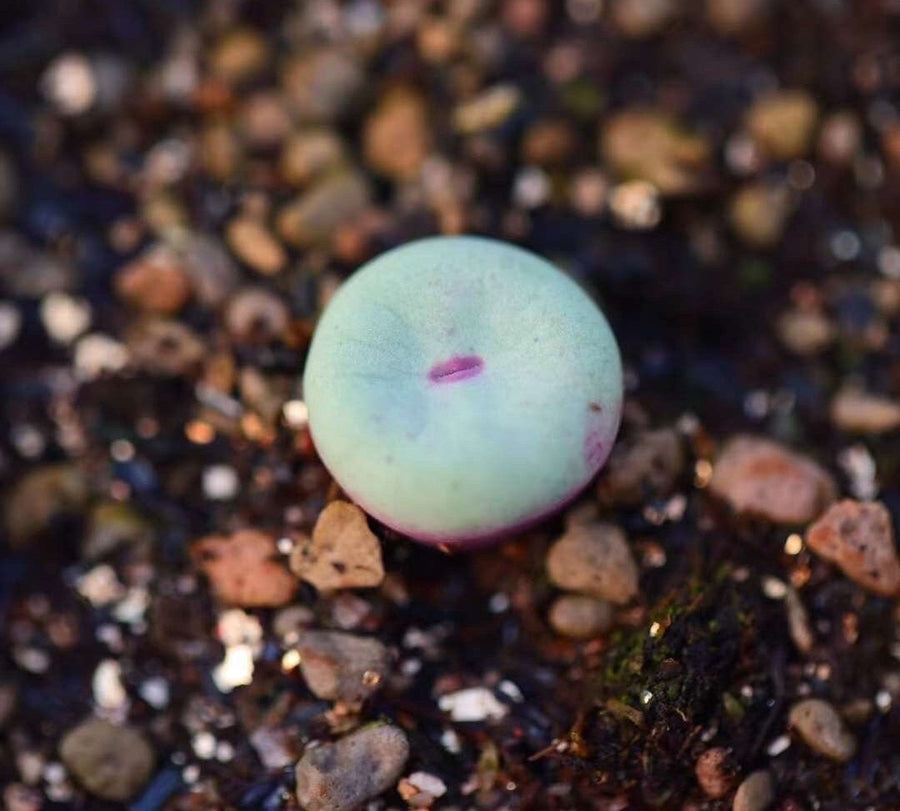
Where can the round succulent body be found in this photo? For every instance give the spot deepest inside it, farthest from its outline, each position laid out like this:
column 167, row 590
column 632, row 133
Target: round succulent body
column 460, row 388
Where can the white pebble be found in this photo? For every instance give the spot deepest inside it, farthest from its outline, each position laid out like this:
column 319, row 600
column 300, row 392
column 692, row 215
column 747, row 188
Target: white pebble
column 109, row 692
column 220, row 483
column 472, row 704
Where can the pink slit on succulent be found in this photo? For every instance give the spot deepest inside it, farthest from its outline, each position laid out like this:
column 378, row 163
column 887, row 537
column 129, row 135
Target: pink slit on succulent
column 459, row 367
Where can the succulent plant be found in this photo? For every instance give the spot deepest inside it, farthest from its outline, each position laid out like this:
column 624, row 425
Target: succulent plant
column 460, row 388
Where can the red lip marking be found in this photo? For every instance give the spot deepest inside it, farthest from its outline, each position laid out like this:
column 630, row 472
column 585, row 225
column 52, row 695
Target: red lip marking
column 459, row 367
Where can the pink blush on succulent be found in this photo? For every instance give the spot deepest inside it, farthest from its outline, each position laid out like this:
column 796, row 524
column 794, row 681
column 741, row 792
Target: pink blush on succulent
column 457, row 368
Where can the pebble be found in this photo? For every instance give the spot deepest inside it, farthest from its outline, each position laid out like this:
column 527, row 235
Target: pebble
column 154, row 282
column 42, row 496
column 421, row 789
column 805, row 332
column 256, row 315
column 97, row 353
column 264, row 119
column 19, row 797
column 840, row 138
column 396, row 135
column 342, row 776
column 859, row 412
column 70, row 84
column 31, row 273
column 548, row 143
column 734, row 16
column 112, row 762
column 10, row 324
column 580, row 617
column 594, row 559
column 309, row 154
column 338, row 666
column 489, row 109
column 714, row 773
column 239, row 55
column 783, row 123
column 822, row 728
column 758, row 213
column 473, row 704
column 859, row 538
column 244, row 569
column 65, row 317
column 643, row 18
column 256, row 246
column 212, row 271
column 313, row 218
column 165, row 347
column 755, row 793
column 343, row 552
column 113, row 525
column 648, row 467
column 763, row 479
column 798, row 621
column 649, row 145
column 324, row 84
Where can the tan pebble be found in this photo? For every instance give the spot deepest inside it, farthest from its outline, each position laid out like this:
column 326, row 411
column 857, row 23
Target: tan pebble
column 735, row 16
column 438, row 39
column 783, row 123
column 244, row 569
column 256, row 246
column 646, row 467
column 652, row 146
column 155, row 282
column 396, row 136
column 798, row 621
column 239, row 54
column 487, row 110
column 341, row 776
column 323, row 84
column 859, row 412
column 343, row 552
column 820, row 726
column 220, row 151
column 758, row 213
column 805, row 332
column 714, row 772
column 594, row 559
column 314, row 217
column 859, row 538
column 112, row 762
column 310, row 153
column 755, row 793
column 340, row 666
column 643, row 18
column 760, row 478
column 580, row 617
column 264, row 120
column 548, row 143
